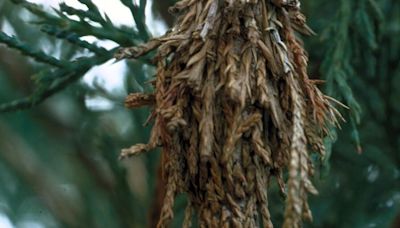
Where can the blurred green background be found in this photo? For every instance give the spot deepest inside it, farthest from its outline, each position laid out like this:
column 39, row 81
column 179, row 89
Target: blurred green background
column 61, row 135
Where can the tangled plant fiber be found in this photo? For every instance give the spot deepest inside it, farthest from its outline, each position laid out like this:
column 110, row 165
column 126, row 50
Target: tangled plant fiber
column 233, row 107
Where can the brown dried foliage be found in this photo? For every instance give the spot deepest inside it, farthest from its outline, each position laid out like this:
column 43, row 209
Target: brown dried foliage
column 233, row 107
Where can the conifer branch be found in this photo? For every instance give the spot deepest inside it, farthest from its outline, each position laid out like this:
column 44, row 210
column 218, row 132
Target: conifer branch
column 139, row 17
column 82, row 14
column 354, row 23
column 51, row 82
column 73, row 39
column 39, row 56
column 58, row 24
column 82, row 28
column 94, row 16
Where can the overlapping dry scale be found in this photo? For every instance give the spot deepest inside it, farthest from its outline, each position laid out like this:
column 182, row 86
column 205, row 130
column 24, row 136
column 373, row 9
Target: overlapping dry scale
column 232, row 107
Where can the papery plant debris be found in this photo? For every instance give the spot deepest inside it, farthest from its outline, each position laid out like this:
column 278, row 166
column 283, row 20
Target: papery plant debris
column 232, row 107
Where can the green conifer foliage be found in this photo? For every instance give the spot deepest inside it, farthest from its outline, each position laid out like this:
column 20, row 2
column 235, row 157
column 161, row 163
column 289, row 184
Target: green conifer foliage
column 360, row 55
